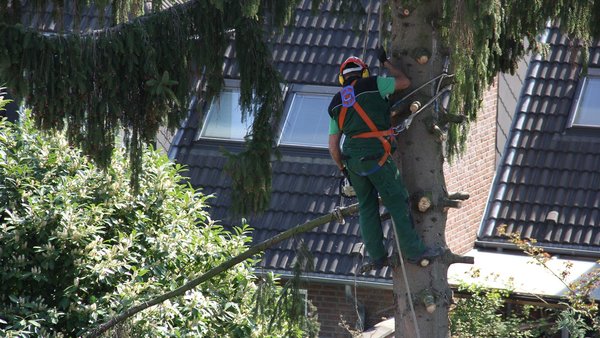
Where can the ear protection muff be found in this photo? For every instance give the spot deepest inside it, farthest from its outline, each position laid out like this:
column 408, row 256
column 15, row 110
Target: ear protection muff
column 353, row 59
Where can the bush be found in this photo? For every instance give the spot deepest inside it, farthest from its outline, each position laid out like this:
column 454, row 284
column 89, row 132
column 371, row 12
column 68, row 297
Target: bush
column 480, row 315
column 77, row 246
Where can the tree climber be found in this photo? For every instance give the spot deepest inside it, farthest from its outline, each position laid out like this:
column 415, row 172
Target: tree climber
column 361, row 112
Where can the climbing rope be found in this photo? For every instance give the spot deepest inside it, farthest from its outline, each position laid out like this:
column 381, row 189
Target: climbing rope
column 404, row 276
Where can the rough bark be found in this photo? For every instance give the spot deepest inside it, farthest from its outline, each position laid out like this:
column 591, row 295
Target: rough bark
column 420, row 158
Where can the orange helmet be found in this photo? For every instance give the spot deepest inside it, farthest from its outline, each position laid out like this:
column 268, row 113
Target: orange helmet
column 351, row 65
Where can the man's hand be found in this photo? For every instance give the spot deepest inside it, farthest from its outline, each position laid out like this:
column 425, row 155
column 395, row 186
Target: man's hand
column 381, row 55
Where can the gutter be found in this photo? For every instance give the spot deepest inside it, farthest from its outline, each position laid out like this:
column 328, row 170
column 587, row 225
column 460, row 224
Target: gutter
column 331, row 279
column 499, row 246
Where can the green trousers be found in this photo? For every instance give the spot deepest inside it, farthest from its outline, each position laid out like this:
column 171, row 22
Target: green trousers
column 388, row 183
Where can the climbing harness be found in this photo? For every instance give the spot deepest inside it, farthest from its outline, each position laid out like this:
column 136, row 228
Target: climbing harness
column 349, row 100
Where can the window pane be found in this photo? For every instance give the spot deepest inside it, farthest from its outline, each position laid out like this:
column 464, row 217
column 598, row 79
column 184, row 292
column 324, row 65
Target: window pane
column 588, row 111
column 224, row 118
column 307, row 121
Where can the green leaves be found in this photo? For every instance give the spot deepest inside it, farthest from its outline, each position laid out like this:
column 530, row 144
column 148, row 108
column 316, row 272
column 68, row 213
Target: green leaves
column 479, row 314
column 77, row 246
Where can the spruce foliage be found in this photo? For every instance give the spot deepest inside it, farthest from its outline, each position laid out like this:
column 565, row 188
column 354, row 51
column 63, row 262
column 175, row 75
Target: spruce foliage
column 137, row 74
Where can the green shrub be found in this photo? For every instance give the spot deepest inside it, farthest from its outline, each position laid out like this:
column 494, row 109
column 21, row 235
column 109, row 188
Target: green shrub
column 77, row 246
column 480, row 315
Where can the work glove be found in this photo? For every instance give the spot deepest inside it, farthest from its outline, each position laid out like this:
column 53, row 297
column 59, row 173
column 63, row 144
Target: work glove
column 381, row 54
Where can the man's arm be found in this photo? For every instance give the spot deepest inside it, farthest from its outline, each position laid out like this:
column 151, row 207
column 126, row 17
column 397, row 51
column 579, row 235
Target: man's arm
column 334, row 149
column 402, row 81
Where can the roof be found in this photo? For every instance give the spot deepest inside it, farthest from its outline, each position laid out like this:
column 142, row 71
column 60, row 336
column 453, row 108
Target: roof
column 546, row 166
column 305, row 181
column 42, row 18
column 311, row 50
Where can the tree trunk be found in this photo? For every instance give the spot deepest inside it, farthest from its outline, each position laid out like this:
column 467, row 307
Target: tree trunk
column 420, row 158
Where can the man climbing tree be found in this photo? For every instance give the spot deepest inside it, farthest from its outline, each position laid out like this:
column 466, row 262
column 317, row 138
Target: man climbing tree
column 362, row 113
column 57, row 75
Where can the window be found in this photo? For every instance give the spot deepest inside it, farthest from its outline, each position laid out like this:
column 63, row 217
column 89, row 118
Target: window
column 303, row 293
column 307, row 121
column 586, row 110
column 224, row 117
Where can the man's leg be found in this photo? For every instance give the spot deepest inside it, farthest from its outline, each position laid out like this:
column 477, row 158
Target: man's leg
column 389, row 183
column 368, row 215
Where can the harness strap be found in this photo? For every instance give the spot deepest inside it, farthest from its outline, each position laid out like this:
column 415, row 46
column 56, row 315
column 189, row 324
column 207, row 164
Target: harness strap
column 370, row 134
column 387, row 147
column 342, row 117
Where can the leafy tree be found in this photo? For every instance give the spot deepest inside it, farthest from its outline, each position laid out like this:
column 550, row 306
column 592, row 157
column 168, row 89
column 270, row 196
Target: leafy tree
column 77, row 245
column 479, row 314
column 478, row 38
column 580, row 314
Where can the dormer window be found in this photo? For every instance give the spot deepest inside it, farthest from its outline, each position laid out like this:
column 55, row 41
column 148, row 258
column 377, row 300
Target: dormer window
column 224, row 117
column 586, row 108
column 306, row 120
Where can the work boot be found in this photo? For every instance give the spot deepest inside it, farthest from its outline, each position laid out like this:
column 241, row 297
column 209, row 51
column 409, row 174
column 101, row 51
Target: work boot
column 425, row 258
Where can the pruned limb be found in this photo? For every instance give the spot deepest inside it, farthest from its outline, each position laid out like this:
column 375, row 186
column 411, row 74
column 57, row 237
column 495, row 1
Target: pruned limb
column 428, row 300
column 452, row 118
column 439, row 134
column 450, row 258
column 422, row 200
column 463, row 196
column 450, row 203
column 252, row 251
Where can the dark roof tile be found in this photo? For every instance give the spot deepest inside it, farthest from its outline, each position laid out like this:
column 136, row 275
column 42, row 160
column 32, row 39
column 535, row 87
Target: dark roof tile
column 548, row 167
column 303, row 188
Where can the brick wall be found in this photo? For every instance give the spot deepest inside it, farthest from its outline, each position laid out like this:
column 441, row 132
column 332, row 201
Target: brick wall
column 333, row 307
column 473, row 173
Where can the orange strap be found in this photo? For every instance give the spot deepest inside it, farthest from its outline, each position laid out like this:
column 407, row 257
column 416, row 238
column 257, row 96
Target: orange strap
column 387, row 147
column 342, row 117
column 378, row 133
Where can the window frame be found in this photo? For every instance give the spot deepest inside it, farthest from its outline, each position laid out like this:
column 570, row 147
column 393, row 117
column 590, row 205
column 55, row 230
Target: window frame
column 232, row 85
column 593, row 74
column 302, row 89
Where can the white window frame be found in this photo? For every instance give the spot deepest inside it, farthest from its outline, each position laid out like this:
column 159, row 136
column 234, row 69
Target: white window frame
column 327, row 91
column 304, row 295
column 593, row 74
column 229, row 85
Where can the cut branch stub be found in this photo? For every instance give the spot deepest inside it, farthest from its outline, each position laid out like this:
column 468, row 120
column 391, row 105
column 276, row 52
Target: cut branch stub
column 422, row 201
column 452, row 118
column 447, row 203
column 428, row 300
column 449, row 258
column 463, row 196
column 439, row 134
column 416, row 105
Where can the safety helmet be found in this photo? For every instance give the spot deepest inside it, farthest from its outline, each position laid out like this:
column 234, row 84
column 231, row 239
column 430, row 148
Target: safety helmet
column 351, row 65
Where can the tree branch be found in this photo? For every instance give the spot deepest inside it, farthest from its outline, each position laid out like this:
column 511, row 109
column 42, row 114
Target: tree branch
column 347, row 211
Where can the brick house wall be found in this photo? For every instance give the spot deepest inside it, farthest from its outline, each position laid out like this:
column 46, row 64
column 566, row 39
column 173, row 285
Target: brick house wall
column 334, row 307
column 473, row 173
